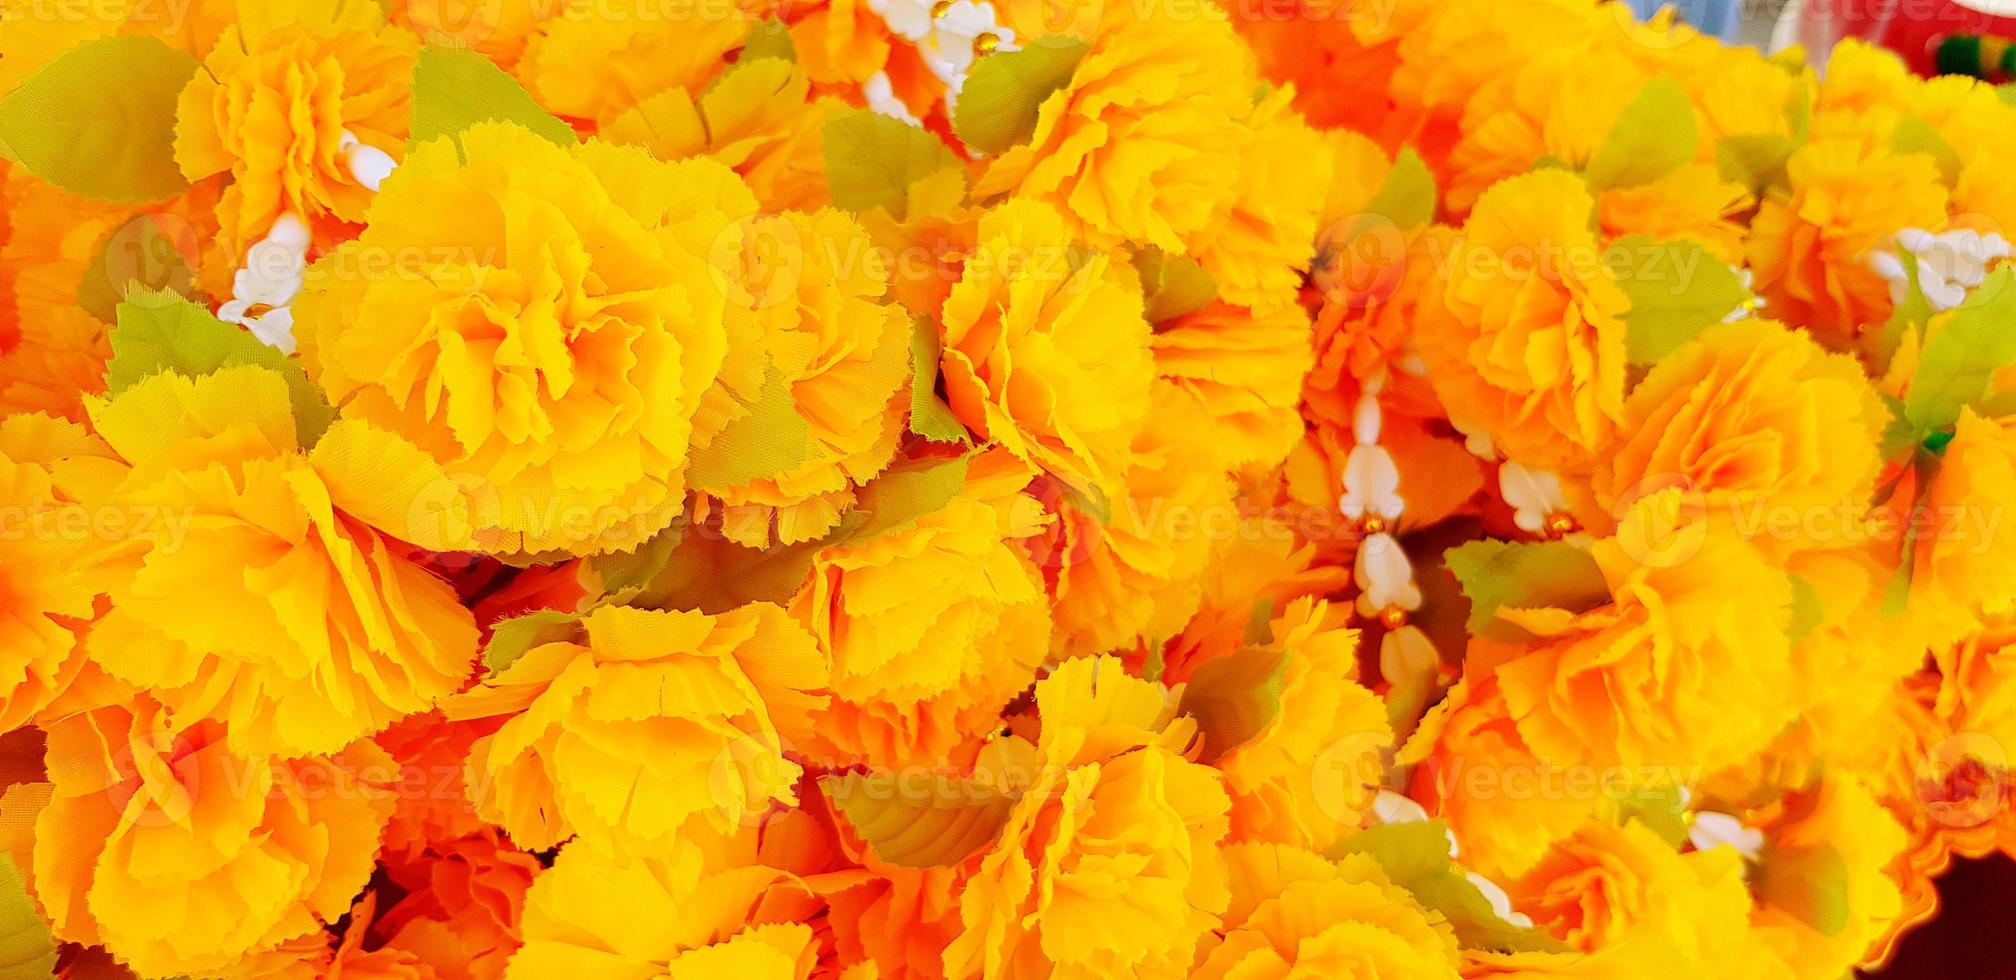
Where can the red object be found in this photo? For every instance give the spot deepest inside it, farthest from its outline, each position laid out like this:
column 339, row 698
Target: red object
column 1912, row 28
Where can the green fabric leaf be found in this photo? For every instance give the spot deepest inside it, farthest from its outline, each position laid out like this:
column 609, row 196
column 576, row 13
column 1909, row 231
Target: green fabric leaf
column 930, row 417
column 997, row 107
column 138, row 254
column 713, row 576
column 1913, row 311
column 1260, row 622
column 1407, row 196
column 769, row 39
column 1755, row 160
column 1808, row 883
column 919, row 821
column 768, row 439
column 1915, row 135
column 1234, row 697
column 1653, row 136
column 159, row 332
column 1676, row 289
column 1416, row 856
column 1973, row 342
column 1524, row 575
column 1172, row 284
column 871, row 160
column 511, row 638
column 1807, row 610
column 626, row 573
column 896, row 499
column 100, row 119
column 455, row 89
column 27, row 949
column 1662, row 809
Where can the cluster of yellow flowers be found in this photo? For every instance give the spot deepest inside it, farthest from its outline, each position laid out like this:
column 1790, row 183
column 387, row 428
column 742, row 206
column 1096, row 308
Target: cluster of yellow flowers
column 881, row 489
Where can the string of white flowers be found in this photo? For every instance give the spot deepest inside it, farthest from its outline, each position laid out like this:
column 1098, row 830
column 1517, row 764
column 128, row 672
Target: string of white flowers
column 949, row 36
column 1948, row 264
column 263, row 289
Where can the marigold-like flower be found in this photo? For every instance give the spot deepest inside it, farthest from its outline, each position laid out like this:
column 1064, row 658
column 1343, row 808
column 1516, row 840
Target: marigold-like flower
column 1046, row 351
column 1295, row 914
column 1308, row 776
column 1532, row 349
column 1837, row 820
column 1809, row 244
column 181, row 857
column 1962, row 564
column 641, row 720
column 461, row 913
column 698, row 910
column 1109, row 863
column 1471, row 769
column 840, row 352
column 1624, row 895
column 1127, row 146
column 551, row 344
column 1245, row 368
column 1758, row 425
column 759, row 116
column 280, row 104
column 45, row 602
column 595, row 68
column 1696, row 625
column 932, row 626
column 1257, row 247
column 318, row 630
column 1560, row 104
column 1130, row 566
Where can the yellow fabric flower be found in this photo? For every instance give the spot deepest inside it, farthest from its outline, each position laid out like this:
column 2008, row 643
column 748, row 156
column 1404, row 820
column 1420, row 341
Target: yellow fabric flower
column 842, row 353
column 275, row 103
column 695, row 912
column 1307, row 777
column 758, row 116
column 932, row 626
column 1685, row 668
column 1627, row 896
column 1692, row 204
column 317, row 630
column 1531, row 350
column 1840, row 815
column 1294, row 914
column 551, row 344
column 1127, row 147
column 586, row 64
column 1809, row 244
column 642, row 720
column 45, row 603
column 1131, row 566
column 1046, row 351
column 1109, row 863
column 1561, row 104
column 1258, row 245
column 181, row 857
column 1245, row 368
column 1962, row 564
column 1759, row 426
column 1471, row 769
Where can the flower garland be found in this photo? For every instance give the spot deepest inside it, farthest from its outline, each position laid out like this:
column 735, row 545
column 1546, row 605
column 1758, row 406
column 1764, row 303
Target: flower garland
column 886, row 488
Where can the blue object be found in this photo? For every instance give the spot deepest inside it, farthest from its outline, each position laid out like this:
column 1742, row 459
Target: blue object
column 1715, row 18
